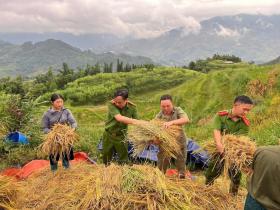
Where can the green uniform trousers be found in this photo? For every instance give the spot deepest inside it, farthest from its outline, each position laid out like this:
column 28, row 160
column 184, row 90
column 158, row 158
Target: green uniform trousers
column 180, row 162
column 113, row 143
column 216, row 167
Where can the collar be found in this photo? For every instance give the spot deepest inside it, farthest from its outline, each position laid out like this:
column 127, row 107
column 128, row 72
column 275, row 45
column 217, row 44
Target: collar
column 172, row 112
column 243, row 118
column 51, row 110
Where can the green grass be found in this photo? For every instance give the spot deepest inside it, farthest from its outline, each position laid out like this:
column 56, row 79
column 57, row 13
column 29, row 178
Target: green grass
column 200, row 95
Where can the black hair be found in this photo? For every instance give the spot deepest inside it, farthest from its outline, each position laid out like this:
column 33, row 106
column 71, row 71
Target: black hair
column 122, row 92
column 166, row 97
column 243, row 100
column 56, row 96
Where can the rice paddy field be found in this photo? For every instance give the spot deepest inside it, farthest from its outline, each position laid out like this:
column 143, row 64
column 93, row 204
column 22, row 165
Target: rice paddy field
column 86, row 186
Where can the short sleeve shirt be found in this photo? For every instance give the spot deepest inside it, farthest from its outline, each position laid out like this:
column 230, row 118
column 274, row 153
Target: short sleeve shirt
column 112, row 125
column 177, row 113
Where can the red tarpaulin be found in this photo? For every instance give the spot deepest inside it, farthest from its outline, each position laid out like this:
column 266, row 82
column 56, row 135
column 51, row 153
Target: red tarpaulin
column 35, row 165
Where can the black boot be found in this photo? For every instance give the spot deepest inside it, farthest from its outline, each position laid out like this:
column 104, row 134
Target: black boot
column 233, row 189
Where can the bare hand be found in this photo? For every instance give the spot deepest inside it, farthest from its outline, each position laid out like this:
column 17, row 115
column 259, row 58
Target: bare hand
column 167, row 124
column 156, row 142
column 220, row 148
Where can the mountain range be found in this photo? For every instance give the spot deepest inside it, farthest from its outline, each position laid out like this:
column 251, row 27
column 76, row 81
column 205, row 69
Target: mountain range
column 29, row 59
column 251, row 37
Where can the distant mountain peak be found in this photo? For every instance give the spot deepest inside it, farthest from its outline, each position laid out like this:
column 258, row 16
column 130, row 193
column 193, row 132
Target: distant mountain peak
column 29, row 58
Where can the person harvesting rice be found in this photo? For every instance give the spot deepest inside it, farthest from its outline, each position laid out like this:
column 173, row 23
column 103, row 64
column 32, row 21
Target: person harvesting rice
column 173, row 116
column 264, row 184
column 234, row 122
column 57, row 114
column 121, row 112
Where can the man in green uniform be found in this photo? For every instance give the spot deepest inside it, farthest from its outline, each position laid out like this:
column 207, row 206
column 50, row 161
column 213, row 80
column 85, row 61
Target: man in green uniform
column 173, row 116
column 264, row 184
column 234, row 122
column 121, row 112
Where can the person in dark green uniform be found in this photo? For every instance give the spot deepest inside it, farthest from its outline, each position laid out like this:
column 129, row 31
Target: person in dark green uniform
column 264, row 184
column 234, row 122
column 173, row 116
column 121, row 112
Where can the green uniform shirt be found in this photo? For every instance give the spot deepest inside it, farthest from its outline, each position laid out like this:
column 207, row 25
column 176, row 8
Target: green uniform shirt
column 264, row 184
column 227, row 126
column 112, row 126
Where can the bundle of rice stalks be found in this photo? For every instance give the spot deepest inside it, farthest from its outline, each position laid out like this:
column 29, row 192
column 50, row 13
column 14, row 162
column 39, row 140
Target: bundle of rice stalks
column 99, row 187
column 8, row 192
column 59, row 140
column 239, row 152
column 256, row 88
column 208, row 197
column 148, row 132
column 3, row 131
column 115, row 187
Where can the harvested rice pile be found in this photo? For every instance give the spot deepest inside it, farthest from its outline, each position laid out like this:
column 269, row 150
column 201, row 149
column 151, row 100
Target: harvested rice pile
column 146, row 132
column 59, row 140
column 117, row 187
column 239, row 152
column 8, row 192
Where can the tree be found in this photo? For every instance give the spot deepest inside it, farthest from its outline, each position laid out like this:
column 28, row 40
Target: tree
column 108, row 68
column 192, row 65
column 127, row 68
column 119, row 66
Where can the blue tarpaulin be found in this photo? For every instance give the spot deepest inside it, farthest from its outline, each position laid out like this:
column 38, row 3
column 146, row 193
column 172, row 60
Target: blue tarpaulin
column 199, row 158
column 17, row 137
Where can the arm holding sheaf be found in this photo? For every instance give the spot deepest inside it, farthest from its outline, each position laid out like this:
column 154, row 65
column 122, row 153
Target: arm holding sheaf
column 126, row 120
column 180, row 121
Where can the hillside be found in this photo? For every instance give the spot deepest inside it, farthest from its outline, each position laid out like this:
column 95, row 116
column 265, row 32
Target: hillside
column 200, row 95
column 274, row 61
column 29, row 59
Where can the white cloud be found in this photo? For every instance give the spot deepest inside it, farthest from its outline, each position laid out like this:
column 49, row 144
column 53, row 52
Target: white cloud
column 227, row 32
column 140, row 18
column 263, row 23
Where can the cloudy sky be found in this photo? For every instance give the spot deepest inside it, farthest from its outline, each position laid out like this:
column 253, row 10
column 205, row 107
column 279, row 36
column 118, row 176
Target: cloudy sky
column 139, row 18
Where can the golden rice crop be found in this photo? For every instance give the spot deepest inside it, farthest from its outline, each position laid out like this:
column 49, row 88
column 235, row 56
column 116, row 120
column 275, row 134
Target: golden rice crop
column 3, row 131
column 148, row 132
column 59, row 140
column 239, row 152
column 85, row 186
column 8, row 192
